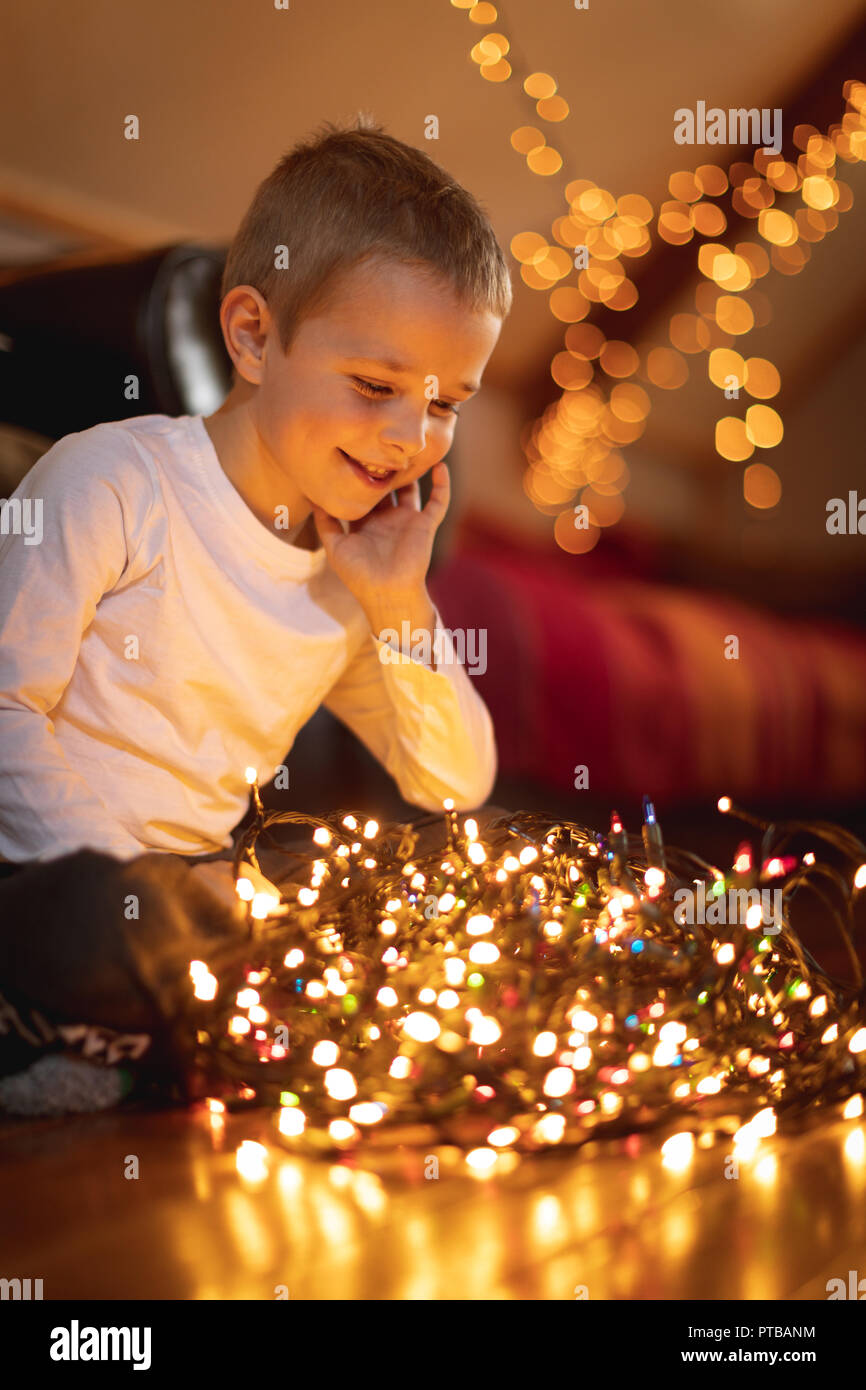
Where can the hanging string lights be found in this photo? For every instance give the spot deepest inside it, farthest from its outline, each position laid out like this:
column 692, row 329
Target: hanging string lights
column 574, row 450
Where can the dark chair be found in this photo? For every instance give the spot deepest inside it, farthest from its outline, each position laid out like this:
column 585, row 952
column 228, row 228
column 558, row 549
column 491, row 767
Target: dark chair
column 73, row 333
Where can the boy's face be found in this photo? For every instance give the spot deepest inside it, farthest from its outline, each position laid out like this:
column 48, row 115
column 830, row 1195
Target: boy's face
column 355, row 387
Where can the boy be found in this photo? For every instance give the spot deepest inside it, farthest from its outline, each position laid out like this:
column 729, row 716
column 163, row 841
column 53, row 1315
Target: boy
column 195, row 596
column 203, row 585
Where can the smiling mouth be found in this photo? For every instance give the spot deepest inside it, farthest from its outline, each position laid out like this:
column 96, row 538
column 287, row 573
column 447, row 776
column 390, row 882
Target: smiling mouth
column 374, row 477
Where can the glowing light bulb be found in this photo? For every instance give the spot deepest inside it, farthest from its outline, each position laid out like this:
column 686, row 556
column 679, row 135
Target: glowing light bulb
column 485, row 1031
column 481, row 1159
column 340, row 1084
column 251, row 1161
column 550, row 1128
column 479, row 924
column 263, row 905
column 586, row 1022
column 678, row 1149
column 764, row 1123
column 367, row 1112
column 502, row 1137
column 422, row 1027
column 746, row 1141
column 205, row 986
column 559, row 1081
column 665, row 1054
column 483, row 953
column 291, row 1121
column 455, row 969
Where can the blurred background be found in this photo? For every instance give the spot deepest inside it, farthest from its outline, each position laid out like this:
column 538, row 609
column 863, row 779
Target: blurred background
column 611, row 669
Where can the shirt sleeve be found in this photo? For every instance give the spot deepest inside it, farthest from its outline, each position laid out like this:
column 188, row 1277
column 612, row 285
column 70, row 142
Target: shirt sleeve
column 63, row 548
column 429, row 728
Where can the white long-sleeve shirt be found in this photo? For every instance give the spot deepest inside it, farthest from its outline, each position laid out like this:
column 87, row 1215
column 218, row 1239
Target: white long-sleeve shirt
column 159, row 639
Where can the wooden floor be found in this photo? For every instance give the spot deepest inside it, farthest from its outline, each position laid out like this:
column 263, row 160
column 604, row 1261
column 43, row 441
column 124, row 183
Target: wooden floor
column 613, row 1219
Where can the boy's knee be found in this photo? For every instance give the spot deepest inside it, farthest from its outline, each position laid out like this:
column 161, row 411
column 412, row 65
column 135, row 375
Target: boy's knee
column 91, row 938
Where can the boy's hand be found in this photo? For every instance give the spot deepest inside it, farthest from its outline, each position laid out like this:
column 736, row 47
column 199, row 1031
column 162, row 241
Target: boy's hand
column 384, row 558
column 218, row 876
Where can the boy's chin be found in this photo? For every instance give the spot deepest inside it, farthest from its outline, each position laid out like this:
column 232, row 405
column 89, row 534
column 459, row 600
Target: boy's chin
column 344, row 510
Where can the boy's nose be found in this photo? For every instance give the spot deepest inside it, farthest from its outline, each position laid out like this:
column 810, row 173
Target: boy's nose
column 406, row 436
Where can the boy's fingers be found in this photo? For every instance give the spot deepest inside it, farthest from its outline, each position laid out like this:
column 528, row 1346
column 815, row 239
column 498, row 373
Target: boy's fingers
column 409, row 496
column 440, row 494
column 258, row 880
column 217, row 878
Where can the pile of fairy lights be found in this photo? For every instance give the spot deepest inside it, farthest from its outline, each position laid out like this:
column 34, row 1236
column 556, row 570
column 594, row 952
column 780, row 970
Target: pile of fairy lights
column 531, row 990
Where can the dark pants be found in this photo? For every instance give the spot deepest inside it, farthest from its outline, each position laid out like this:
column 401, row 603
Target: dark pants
column 90, row 940
column 103, row 947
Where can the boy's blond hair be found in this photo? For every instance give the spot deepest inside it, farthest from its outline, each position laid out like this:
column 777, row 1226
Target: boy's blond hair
column 353, row 194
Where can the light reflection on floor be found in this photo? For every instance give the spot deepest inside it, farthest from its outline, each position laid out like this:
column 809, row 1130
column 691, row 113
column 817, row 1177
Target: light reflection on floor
column 223, row 1211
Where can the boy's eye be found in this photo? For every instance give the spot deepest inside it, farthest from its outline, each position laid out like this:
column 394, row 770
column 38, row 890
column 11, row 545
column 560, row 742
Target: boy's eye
column 369, row 388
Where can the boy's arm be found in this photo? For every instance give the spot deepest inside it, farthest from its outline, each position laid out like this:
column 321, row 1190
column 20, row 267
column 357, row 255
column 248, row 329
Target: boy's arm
column 49, row 589
column 429, row 728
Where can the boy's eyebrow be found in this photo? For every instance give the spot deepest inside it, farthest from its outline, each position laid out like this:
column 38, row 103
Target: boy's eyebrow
column 399, row 368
